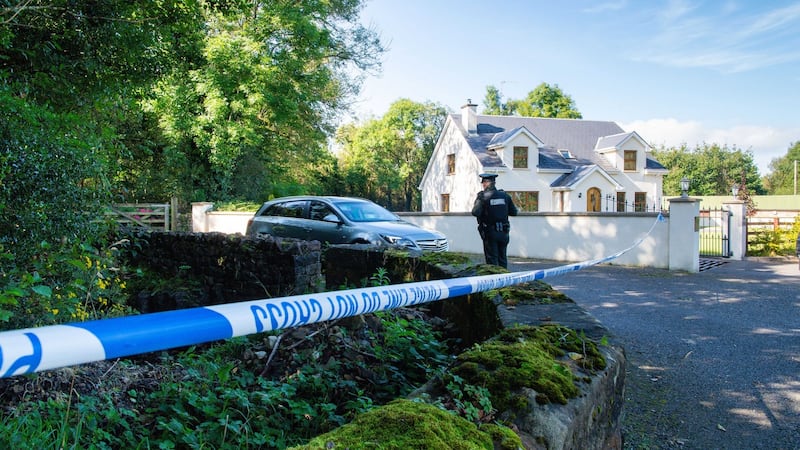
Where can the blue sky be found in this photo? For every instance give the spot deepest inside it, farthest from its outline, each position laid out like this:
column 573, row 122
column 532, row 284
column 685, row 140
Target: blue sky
column 725, row 72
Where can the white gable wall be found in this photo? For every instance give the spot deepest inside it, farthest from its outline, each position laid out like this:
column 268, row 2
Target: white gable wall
column 523, row 179
column 463, row 185
column 520, row 140
column 616, row 156
column 634, row 181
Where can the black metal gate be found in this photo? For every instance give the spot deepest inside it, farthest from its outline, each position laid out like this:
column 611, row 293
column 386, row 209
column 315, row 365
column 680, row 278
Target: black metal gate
column 715, row 225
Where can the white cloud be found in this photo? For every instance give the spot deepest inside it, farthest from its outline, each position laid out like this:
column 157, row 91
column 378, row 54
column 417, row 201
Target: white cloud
column 766, row 143
column 738, row 40
column 606, row 6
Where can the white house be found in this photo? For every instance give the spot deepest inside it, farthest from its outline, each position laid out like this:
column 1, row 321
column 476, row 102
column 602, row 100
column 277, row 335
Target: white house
column 554, row 165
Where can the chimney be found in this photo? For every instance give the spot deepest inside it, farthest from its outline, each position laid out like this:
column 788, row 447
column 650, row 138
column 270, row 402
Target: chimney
column 469, row 117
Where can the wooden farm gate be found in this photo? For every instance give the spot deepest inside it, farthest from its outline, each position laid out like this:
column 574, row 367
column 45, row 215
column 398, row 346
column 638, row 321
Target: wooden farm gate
column 154, row 216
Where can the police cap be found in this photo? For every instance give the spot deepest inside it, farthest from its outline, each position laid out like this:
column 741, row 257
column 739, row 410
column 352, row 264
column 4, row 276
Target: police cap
column 488, row 176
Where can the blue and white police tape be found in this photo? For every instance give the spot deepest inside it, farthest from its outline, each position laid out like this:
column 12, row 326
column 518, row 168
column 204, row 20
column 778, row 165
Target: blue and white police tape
column 37, row 349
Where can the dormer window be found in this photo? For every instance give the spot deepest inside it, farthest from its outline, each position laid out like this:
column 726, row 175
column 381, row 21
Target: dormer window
column 630, row 160
column 520, row 157
column 565, row 154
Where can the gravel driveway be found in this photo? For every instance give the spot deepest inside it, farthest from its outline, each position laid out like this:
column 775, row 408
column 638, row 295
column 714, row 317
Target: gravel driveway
column 714, row 356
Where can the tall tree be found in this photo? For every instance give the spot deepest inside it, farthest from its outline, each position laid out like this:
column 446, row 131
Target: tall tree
column 544, row 101
column 712, row 169
column 547, row 101
column 384, row 159
column 71, row 73
column 146, row 99
column 273, row 77
column 783, row 176
column 493, row 103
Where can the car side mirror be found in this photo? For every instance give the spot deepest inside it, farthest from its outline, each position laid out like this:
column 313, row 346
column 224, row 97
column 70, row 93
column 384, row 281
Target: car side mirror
column 332, row 218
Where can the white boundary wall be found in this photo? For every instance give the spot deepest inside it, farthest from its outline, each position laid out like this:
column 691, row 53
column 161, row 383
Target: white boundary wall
column 567, row 237
column 205, row 220
column 561, row 236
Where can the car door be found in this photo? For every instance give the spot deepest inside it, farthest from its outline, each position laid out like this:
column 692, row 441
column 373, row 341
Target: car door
column 326, row 225
column 288, row 219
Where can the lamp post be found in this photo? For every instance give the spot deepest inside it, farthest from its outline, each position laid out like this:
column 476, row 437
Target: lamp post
column 735, row 190
column 685, row 187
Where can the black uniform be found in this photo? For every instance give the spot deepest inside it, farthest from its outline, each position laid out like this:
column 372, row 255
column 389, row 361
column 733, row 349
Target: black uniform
column 492, row 208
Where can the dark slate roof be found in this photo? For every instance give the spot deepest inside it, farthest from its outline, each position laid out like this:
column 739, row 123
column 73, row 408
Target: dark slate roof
column 653, row 164
column 612, row 141
column 479, row 143
column 550, row 158
column 500, row 137
column 578, row 136
column 569, row 178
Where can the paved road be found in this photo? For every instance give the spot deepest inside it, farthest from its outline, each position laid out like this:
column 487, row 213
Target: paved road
column 713, row 357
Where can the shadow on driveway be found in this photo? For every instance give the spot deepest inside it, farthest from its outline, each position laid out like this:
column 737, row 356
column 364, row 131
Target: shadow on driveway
column 714, row 356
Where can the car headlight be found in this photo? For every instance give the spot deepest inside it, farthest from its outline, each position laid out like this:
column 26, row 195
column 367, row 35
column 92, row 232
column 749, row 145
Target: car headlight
column 399, row 240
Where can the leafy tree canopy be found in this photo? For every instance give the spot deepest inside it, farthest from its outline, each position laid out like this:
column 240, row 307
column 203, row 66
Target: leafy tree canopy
column 140, row 101
column 544, row 101
column 782, row 178
column 712, row 169
column 197, row 98
column 70, row 77
column 384, row 159
column 263, row 98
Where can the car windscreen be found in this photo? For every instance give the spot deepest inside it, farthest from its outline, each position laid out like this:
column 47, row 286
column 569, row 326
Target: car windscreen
column 365, row 212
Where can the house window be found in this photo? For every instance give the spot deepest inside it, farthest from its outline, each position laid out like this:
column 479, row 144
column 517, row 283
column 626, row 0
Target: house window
column 451, row 164
column 445, row 202
column 520, row 157
column 527, row 201
column 565, row 154
column 640, row 201
column 630, row 160
column 620, row 202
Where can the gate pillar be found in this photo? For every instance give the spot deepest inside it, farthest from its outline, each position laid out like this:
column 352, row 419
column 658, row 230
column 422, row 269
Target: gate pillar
column 738, row 228
column 684, row 234
column 200, row 216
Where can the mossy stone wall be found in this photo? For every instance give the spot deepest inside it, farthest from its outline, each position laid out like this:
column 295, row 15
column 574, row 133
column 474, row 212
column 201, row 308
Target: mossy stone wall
column 474, row 316
column 232, row 268
column 215, row 268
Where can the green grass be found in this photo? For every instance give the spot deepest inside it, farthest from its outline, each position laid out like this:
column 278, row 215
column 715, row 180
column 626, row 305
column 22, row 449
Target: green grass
column 710, row 243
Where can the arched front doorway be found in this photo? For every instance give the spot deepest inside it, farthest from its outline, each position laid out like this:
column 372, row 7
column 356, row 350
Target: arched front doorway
column 593, row 200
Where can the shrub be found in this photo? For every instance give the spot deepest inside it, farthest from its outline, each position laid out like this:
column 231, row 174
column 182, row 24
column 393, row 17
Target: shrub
column 62, row 283
column 777, row 242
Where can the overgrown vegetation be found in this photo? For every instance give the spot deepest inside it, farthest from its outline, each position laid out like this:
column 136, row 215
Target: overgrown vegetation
column 282, row 389
column 534, row 292
column 66, row 282
column 196, row 99
column 774, row 242
column 256, row 392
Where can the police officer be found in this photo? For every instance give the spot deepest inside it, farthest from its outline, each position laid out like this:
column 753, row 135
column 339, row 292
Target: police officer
column 492, row 208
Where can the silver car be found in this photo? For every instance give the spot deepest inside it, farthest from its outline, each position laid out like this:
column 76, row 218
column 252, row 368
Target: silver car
column 341, row 220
